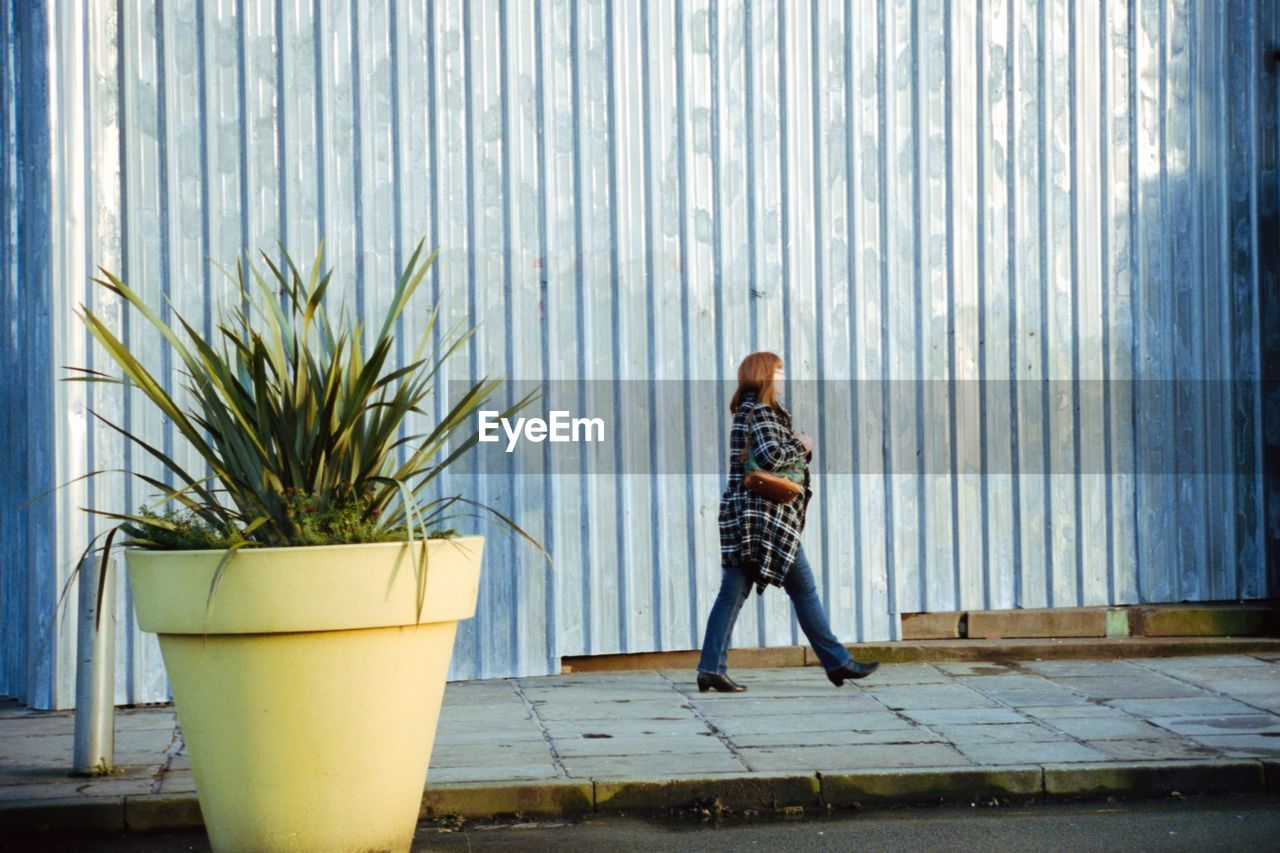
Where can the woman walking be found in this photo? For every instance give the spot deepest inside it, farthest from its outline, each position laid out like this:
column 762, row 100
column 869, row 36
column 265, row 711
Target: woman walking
column 759, row 536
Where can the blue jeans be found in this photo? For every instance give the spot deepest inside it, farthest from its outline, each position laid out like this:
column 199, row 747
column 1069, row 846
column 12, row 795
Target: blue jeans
column 735, row 587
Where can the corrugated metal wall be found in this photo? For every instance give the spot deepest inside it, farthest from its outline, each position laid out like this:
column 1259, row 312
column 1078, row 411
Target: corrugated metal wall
column 983, row 193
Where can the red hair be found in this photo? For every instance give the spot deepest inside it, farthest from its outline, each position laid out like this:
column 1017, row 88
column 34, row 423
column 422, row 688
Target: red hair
column 756, row 374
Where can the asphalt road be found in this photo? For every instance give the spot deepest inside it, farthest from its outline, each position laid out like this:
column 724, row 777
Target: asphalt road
column 1209, row 823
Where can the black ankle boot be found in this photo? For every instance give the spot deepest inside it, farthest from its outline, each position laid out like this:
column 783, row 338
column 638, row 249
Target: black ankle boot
column 722, row 683
column 852, row 669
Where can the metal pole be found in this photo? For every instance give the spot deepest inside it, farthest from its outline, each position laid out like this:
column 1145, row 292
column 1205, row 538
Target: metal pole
column 95, row 672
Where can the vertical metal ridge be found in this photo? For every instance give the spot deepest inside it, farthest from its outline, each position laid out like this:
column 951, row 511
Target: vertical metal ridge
column 166, row 236
column 717, row 210
column 918, row 141
column 785, row 221
column 282, row 172
column 650, row 323
column 887, row 439
column 980, row 97
column 1136, row 266
column 90, row 228
column 242, row 100
column 318, row 36
column 357, row 162
column 508, row 325
column 1104, row 50
column 479, row 624
column 784, row 211
column 122, row 64
column 1206, row 584
column 717, row 233
column 1042, row 153
column 851, row 234
column 549, row 599
column 748, row 95
column 13, row 620
column 1078, row 522
column 819, row 282
column 1165, row 288
column 954, row 509
column 611, row 96
column 397, row 172
column 584, row 502
column 433, row 192
column 206, row 263
column 1014, row 340
column 681, row 169
column 1236, row 573
column 1259, row 497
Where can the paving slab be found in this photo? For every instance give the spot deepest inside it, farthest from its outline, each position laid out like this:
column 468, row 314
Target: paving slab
column 177, row 782
column 845, row 758
column 1132, row 686
column 581, row 747
column 478, row 737
column 1088, row 728
column 494, row 773
column 760, row 690
column 1022, row 753
column 959, row 716
column 1189, row 706
column 1219, row 725
column 1096, row 710
column 566, row 709
column 976, row 668
column 1050, row 694
column 653, row 727
column 1242, row 745
column 468, row 755
column 742, row 706
column 1155, row 749
column 1204, row 662
column 1085, row 667
column 838, row 738
column 656, row 690
column 904, row 674
column 816, row 723
column 68, row 788
column 923, row 697
column 996, row 733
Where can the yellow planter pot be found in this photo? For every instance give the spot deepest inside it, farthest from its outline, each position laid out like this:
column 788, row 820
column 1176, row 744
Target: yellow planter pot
column 310, row 708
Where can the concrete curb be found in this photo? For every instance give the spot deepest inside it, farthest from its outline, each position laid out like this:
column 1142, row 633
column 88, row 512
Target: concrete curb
column 761, row 793
column 484, row 800
column 738, row 793
column 931, row 784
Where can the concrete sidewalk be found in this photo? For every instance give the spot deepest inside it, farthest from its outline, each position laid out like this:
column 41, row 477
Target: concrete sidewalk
column 649, row 740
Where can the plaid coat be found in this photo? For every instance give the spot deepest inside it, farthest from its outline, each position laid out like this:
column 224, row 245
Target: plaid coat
column 755, row 531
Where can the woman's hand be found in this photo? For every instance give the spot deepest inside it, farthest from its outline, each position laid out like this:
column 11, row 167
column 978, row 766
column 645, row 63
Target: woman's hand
column 807, row 440
column 775, row 445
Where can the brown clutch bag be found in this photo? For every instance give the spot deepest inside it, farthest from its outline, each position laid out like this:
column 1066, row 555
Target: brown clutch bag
column 770, row 486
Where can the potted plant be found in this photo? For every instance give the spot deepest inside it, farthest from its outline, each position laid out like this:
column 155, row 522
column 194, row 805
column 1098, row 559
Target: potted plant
column 306, row 594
